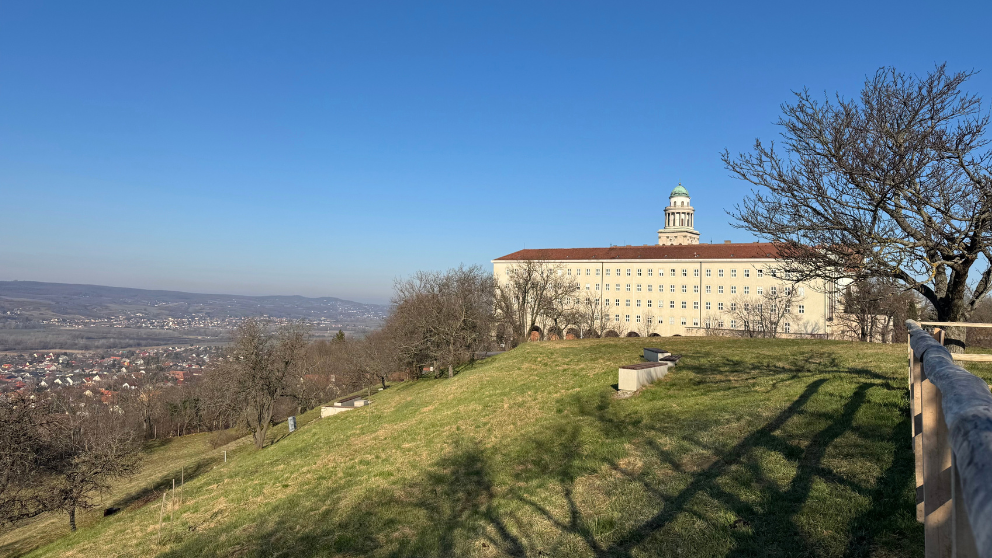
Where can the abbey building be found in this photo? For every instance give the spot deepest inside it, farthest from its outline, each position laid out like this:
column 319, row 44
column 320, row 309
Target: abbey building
column 679, row 286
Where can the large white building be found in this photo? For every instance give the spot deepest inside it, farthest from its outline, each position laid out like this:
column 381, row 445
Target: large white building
column 679, row 286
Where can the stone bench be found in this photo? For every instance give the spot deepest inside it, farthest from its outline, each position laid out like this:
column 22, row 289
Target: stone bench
column 635, row 376
column 654, row 355
column 342, row 406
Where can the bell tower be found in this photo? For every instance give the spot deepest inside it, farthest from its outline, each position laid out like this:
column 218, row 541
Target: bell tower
column 679, row 220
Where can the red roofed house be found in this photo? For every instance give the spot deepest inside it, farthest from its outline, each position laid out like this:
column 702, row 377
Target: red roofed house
column 677, row 286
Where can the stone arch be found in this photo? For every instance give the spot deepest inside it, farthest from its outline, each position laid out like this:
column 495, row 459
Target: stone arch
column 654, row 335
column 611, row 333
column 591, row 334
column 535, row 334
column 633, row 334
column 572, row 333
column 554, row 333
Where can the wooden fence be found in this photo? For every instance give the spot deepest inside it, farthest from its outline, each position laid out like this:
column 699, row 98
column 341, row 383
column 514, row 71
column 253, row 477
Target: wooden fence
column 952, row 441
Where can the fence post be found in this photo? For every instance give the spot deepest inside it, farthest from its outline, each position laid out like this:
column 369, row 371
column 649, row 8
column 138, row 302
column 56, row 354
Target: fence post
column 916, row 414
column 964, row 538
column 937, row 504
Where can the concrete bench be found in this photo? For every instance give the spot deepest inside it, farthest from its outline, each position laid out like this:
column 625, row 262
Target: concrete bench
column 671, row 359
column 342, row 406
column 634, row 376
column 654, row 355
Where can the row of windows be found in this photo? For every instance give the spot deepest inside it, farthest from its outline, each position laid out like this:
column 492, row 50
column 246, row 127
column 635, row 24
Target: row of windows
column 684, row 272
column 746, row 289
column 661, row 320
column 695, row 305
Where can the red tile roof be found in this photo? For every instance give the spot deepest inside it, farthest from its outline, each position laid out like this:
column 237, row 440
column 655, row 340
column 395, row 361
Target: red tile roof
column 752, row 250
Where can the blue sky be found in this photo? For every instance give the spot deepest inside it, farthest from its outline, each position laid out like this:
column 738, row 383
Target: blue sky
column 325, row 149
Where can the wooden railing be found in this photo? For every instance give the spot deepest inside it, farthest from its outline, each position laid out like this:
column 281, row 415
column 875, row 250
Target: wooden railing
column 952, row 441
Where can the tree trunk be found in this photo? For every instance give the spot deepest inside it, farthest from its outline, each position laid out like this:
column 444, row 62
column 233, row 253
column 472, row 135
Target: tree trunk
column 72, row 519
column 954, row 338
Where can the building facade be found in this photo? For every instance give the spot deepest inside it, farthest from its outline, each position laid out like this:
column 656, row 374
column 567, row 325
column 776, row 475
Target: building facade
column 679, row 286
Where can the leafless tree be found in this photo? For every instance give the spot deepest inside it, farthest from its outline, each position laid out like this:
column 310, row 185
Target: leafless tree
column 28, row 452
column 894, row 184
column 873, row 309
column 95, row 446
column 765, row 314
column 529, row 293
column 262, row 363
column 443, row 318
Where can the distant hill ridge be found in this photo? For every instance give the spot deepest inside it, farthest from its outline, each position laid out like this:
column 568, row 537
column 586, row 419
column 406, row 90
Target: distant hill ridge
column 100, row 300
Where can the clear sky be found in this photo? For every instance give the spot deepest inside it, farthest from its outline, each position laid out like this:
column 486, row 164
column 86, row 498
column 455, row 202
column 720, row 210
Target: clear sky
column 326, row 148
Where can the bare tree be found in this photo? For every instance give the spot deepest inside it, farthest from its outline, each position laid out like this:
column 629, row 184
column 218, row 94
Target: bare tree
column 443, row 317
column 766, row 314
column 529, row 293
column 27, row 456
column 95, row 446
column 895, row 184
column 262, row 362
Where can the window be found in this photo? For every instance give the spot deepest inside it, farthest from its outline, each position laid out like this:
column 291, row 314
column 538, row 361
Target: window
column 617, row 287
column 757, row 307
column 597, row 286
column 637, row 318
column 733, row 324
column 788, row 308
column 695, row 322
column 649, row 320
column 801, row 291
column 719, row 273
column 638, row 287
column 671, row 320
column 628, row 287
column 708, row 307
column 709, row 272
column 733, row 308
column 683, row 305
column 719, row 289
column 569, row 271
column 695, row 272
column 695, row 289
column 695, row 305
column 588, row 273
column 788, row 327
column 607, row 272
column 649, row 287
column 719, row 306
column 683, row 321
column 774, row 273
column 684, row 274
column 597, row 272
column 719, row 324
column 709, row 289
column 802, row 309
column 597, row 301
column 626, row 317
column 733, row 289
column 649, row 275
column 671, row 304
column 638, row 303
column 607, row 286
column 673, row 272
column 649, row 303
column 661, row 273
column 616, row 317
column 788, row 291
column 774, row 291
column 709, row 324
column 761, row 290
column 628, row 302
column 747, row 290
column 587, row 286
column 747, row 273
column 638, row 272
column 733, row 273
column 761, row 272
column 671, row 289
column 684, row 289
column 628, row 272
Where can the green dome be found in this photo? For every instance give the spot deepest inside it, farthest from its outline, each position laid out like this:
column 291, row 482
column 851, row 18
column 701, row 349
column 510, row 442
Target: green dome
column 679, row 191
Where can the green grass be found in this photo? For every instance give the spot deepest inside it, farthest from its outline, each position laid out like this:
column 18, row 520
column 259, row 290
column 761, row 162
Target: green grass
column 748, row 448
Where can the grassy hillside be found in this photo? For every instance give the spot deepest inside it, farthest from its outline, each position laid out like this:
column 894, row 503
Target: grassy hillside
column 749, row 448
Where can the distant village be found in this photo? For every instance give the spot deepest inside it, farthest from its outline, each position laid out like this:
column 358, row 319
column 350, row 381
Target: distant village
column 102, row 374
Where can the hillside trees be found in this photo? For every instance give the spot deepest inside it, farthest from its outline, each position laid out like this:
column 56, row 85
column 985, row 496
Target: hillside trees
column 441, row 318
column 765, row 314
column 895, row 184
column 27, row 448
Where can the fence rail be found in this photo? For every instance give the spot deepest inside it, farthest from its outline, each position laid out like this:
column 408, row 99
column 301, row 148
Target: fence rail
column 952, row 442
